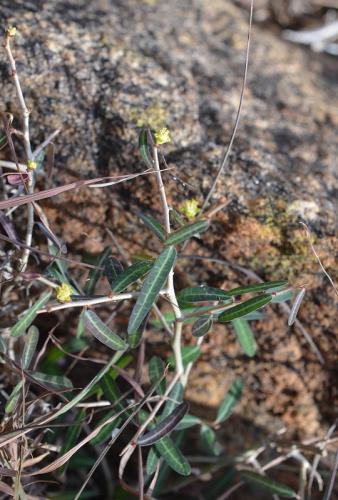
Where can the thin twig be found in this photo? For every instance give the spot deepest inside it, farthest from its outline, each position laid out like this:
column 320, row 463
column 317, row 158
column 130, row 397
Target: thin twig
column 233, row 135
column 308, row 235
column 27, row 145
column 89, row 302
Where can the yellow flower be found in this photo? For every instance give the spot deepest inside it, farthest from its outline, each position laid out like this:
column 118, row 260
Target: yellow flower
column 11, row 31
column 31, row 165
column 64, row 292
column 162, row 136
column 190, row 208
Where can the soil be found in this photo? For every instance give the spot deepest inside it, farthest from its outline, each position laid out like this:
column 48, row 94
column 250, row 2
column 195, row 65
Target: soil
column 99, row 70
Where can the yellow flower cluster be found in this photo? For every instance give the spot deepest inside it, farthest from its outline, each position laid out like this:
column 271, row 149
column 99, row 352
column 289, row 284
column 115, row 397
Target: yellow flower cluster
column 190, row 208
column 11, row 31
column 162, row 136
column 31, row 165
column 64, row 292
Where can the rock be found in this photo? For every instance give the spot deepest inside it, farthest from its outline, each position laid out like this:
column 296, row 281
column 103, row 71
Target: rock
column 101, row 69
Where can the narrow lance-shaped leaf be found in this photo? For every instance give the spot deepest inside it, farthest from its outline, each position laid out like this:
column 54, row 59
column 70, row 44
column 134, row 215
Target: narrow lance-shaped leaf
column 209, row 441
column 244, row 308
column 3, row 141
column 154, row 455
column 153, row 225
column 14, row 397
column 152, row 460
column 112, row 268
column 156, row 370
column 151, row 288
column 245, row 337
column 267, row 484
column 282, row 296
column 295, row 307
column 101, row 331
column 176, row 397
column 257, row 287
column 31, row 343
column 187, row 422
column 187, row 232
column 106, row 432
column 135, row 337
column 189, row 354
column 173, row 456
column 167, row 425
column 95, row 274
column 202, row 326
column 71, row 436
column 130, row 275
column 21, row 326
column 144, row 148
column 52, row 381
column 87, row 390
column 231, row 398
column 202, row 294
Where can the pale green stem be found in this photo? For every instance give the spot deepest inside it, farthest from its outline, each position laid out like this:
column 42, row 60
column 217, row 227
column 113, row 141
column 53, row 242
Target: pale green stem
column 177, row 340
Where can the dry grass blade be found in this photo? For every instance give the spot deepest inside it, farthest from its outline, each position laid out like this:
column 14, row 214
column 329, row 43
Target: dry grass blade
column 64, row 458
column 48, row 193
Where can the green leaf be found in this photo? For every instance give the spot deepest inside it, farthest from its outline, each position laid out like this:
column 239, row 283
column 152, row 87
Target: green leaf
column 189, row 354
column 152, row 460
column 101, row 331
column 89, row 387
column 80, row 330
column 14, row 397
column 173, row 456
column 156, row 370
column 151, row 288
column 209, row 442
column 267, row 484
column 106, row 432
column 245, row 337
column 3, row 141
column 202, row 326
column 71, row 436
column 282, row 296
column 131, row 275
column 112, row 268
column 21, row 326
column 112, row 392
column 186, row 232
column 3, row 347
column 144, row 149
column 257, row 287
column 254, row 316
column 230, row 400
column 202, row 294
column 95, row 274
column 31, row 343
column 187, row 422
column 164, row 427
column 176, row 397
column 244, row 308
column 135, row 338
column 153, row 225
column 52, row 381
